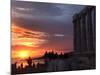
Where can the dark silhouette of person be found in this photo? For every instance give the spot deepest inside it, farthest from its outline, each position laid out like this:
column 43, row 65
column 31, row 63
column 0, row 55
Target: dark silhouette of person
column 29, row 67
column 21, row 66
column 29, row 61
column 33, row 64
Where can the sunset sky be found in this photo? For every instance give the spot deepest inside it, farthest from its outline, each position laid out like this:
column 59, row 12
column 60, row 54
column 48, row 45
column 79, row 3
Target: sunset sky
column 39, row 27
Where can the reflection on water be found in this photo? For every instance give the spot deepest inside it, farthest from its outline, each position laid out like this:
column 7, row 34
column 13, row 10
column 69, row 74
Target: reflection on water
column 35, row 61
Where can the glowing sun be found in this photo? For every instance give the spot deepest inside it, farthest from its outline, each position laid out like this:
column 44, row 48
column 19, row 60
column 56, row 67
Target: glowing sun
column 23, row 54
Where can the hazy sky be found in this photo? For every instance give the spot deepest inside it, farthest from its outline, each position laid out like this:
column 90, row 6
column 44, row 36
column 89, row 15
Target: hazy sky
column 43, row 26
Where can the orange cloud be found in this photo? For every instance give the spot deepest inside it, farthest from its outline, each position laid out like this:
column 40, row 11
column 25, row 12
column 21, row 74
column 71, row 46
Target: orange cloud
column 22, row 36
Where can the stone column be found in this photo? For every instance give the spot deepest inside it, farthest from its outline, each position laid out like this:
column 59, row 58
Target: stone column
column 89, row 29
column 94, row 27
column 83, row 30
column 77, row 33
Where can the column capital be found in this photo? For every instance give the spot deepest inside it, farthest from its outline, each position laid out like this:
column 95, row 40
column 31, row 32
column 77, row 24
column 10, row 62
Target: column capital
column 76, row 17
column 83, row 12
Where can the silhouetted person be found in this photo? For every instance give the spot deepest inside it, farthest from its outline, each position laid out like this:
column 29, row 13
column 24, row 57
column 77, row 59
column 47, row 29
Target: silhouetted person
column 21, row 66
column 33, row 64
column 38, row 65
column 29, row 61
